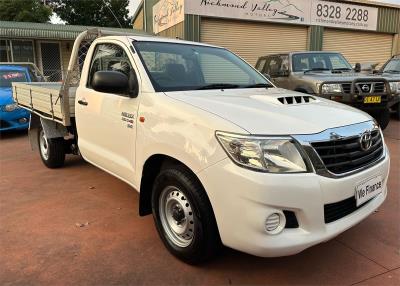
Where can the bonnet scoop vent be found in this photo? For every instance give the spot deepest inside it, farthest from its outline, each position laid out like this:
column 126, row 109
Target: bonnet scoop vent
column 288, row 100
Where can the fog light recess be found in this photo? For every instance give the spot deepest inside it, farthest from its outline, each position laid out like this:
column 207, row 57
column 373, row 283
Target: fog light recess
column 23, row 120
column 275, row 223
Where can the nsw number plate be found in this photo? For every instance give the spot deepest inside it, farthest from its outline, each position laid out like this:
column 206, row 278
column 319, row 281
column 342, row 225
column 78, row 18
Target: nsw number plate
column 372, row 99
column 368, row 190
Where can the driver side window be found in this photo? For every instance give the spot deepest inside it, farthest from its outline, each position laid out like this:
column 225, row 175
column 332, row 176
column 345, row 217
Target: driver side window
column 110, row 57
column 277, row 66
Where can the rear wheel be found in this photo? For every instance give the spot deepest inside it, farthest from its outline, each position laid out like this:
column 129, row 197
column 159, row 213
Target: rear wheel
column 184, row 217
column 382, row 117
column 52, row 151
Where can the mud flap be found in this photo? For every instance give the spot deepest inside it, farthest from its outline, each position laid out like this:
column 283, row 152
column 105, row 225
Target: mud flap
column 34, row 124
column 53, row 129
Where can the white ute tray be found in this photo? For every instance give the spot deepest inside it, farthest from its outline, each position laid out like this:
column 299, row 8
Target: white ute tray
column 43, row 99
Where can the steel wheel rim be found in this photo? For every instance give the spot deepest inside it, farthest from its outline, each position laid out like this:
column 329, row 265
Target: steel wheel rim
column 44, row 146
column 176, row 216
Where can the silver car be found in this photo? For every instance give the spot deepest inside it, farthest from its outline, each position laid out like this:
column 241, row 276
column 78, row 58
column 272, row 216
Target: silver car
column 329, row 75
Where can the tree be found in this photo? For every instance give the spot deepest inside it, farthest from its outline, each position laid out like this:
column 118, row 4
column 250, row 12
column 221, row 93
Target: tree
column 24, row 11
column 92, row 12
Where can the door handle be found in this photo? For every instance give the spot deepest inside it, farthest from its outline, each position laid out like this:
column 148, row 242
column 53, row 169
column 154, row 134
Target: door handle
column 83, row 102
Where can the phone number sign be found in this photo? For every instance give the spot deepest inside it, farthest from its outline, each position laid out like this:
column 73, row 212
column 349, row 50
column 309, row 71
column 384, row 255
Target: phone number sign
column 342, row 15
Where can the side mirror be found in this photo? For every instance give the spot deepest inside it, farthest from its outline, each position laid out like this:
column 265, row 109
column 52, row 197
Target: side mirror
column 357, row 67
column 111, row 82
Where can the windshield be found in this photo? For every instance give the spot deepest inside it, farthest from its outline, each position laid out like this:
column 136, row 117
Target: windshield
column 176, row 67
column 10, row 76
column 319, row 61
column 392, row 66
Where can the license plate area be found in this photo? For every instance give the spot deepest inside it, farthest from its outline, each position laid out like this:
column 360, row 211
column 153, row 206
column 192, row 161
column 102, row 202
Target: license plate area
column 372, row 99
column 368, row 190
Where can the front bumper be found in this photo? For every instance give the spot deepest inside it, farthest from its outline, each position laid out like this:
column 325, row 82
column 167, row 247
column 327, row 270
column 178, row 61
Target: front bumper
column 242, row 199
column 14, row 120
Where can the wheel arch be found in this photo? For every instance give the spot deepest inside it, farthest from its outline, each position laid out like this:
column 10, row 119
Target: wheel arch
column 151, row 168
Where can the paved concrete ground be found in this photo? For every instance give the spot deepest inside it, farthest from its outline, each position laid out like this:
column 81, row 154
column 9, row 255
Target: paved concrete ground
column 41, row 244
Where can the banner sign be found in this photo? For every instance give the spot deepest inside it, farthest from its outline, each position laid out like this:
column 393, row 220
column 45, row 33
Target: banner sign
column 167, row 13
column 307, row 12
column 343, row 15
column 285, row 11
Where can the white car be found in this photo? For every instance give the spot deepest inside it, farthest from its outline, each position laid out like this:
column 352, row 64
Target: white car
column 218, row 153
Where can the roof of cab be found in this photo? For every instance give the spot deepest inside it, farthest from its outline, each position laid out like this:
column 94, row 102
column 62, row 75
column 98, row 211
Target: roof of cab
column 150, row 38
column 298, row 52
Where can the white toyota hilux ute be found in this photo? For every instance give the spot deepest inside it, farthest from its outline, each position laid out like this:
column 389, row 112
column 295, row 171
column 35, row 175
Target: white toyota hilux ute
column 219, row 155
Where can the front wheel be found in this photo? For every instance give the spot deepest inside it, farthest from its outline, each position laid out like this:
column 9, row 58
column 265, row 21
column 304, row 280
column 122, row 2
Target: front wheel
column 52, row 151
column 184, row 217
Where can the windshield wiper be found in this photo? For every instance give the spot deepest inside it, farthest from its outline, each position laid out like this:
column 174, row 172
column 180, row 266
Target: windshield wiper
column 316, row 69
column 392, row 71
column 266, row 85
column 219, row 86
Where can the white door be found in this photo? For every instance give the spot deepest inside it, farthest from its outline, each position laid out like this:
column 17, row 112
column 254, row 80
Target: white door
column 106, row 122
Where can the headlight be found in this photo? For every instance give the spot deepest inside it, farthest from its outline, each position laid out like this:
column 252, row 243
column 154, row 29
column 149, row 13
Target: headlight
column 331, row 88
column 395, row 86
column 267, row 154
column 10, row 107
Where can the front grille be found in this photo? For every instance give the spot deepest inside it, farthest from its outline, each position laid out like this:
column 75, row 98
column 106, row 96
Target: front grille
column 346, row 87
column 338, row 210
column 379, row 87
column 345, row 155
column 374, row 87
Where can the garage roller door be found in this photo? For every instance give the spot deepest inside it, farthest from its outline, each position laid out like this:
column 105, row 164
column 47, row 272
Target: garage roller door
column 360, row 47
column 251, row 40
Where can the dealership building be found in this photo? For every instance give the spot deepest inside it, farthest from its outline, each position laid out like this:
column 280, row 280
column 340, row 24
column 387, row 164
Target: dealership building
column 362, row 30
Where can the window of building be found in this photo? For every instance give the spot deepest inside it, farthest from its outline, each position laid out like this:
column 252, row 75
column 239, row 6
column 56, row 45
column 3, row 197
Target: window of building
column 22, row 51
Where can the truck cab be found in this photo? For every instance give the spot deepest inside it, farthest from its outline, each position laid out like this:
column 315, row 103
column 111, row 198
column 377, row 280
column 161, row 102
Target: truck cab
column 329, row 75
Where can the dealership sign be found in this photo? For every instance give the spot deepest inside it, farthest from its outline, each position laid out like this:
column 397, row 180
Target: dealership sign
column 307, row 12
column 292, row 11
column 167, row 13
column 343, row 15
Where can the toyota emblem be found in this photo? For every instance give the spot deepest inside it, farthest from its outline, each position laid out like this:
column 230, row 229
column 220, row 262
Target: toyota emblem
column 365, row 88
column 366, row 141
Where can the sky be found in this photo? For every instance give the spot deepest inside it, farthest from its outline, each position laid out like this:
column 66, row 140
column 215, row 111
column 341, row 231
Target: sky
column 133, row 4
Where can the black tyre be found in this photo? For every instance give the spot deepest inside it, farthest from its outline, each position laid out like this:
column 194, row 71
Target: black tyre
column 52, row 151
column 383, row 118
column 184, row 217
